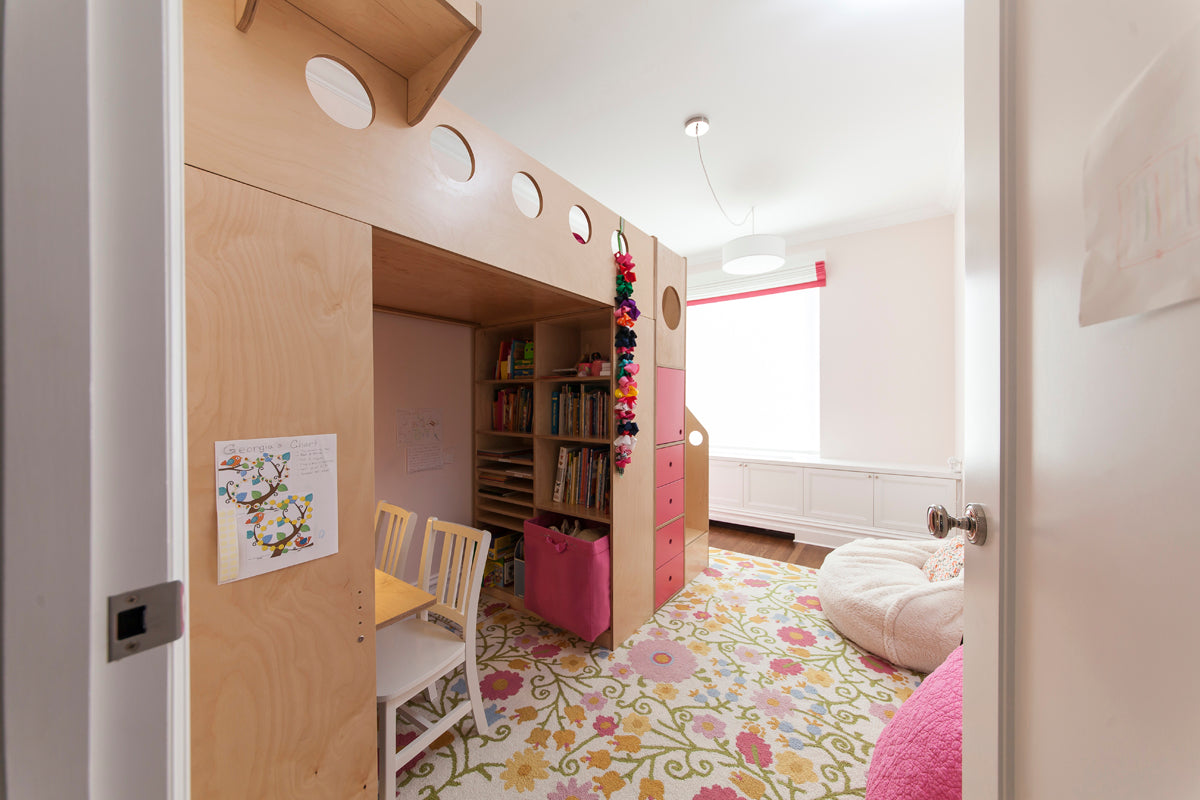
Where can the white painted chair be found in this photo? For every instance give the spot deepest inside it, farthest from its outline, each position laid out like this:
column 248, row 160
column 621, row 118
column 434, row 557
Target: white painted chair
column 413, row 654
column 392, row 538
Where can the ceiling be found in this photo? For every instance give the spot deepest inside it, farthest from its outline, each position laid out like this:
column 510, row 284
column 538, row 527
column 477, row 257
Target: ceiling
column 828, row 116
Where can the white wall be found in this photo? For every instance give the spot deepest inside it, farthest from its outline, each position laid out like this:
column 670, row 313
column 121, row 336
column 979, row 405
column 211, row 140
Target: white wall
column 887, row 345
column 960, row 299
column 423, row 364
column 1107, row 442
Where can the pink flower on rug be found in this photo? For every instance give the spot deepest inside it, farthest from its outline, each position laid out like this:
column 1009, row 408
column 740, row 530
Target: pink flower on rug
column 593, row 701
column 702, row 615
column 756, row 751
column 787, row 666
column 573, row 790
column 877, row 664
column 747, row 655
column 709, row 726
column 402, row 740
column 716, row 793
column 502, row 684
column 809, row 601
column 883, row 712
column 712, row 572
column 526, row 641
column 773, row 703
column 797, row 636
column 620, row 670
column 659, row 633
column 545, row 651
column 758, row 582
column 662, row 661
column 605, row 725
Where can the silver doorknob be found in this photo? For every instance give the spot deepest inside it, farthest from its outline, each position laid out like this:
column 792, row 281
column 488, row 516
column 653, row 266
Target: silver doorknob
column 941, row 521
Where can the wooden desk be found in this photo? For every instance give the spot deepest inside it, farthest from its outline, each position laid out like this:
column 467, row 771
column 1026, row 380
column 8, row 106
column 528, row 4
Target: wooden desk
column 395, row 599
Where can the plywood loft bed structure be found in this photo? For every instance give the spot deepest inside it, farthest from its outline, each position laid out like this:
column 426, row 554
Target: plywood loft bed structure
column 296, row 229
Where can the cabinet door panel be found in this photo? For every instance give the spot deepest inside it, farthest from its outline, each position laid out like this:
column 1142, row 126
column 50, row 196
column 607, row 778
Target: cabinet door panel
column 901, row 500
column 724, row 483
column 838, row 496
column 773, row 488
column 668, row 415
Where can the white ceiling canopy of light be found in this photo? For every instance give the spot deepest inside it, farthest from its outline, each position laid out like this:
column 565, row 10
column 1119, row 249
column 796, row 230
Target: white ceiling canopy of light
column 828, row 116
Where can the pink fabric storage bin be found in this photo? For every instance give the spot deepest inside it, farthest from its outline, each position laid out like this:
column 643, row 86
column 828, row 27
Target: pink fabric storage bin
column 568, row 582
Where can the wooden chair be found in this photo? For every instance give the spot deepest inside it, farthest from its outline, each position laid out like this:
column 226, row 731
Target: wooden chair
column 392, row 540
column 411, row 655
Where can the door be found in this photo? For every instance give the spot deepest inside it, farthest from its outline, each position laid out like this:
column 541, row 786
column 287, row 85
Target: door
column 93, row 404
column 1079, row 672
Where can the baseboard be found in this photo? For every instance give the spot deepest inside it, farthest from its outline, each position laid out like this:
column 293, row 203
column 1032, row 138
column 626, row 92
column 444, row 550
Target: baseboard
column 806, row 530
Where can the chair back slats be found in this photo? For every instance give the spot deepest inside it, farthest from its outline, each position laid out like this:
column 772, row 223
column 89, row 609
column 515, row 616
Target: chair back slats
column 393, row 535
column 459, row 570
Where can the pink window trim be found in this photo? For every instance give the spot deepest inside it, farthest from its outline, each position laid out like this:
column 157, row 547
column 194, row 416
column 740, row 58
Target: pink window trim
column 820, row 281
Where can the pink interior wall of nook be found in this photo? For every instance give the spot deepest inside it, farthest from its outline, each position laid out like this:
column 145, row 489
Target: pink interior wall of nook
column 423, row 365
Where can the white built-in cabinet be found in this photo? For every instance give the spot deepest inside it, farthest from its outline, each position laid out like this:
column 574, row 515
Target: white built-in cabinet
column 829, row 502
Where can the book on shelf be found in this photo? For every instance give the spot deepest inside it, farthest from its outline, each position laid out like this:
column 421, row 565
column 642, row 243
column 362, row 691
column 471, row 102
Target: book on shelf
column 517, row 452
column 512, row 409
column 514, row 360
column 498, row 491
column 579, row 410
column 560, row 475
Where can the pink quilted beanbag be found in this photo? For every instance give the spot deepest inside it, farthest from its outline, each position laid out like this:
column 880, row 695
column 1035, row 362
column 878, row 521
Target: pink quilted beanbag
column 919, row 753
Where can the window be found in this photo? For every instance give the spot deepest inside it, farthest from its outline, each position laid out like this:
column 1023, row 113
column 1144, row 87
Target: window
column 753, row 372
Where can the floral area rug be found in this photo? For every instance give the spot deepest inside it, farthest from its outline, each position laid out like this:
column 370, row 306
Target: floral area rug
column 738, row 688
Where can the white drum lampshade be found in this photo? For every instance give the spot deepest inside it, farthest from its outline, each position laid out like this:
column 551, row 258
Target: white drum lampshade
column 753, row 255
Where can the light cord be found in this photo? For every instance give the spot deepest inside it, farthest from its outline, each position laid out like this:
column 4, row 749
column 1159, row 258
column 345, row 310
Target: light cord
column 749, row 214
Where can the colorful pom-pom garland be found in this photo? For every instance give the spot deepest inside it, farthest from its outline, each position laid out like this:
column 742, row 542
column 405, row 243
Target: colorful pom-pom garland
column 626, row 312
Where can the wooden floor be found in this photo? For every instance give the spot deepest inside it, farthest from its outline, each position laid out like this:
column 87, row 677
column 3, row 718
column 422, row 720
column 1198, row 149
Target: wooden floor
column 765, row 544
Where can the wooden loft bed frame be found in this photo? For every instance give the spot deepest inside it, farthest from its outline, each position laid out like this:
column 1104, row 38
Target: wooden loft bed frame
column 295, row 228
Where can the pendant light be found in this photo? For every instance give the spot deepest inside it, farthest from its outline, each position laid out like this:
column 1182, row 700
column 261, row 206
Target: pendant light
column 745, row 255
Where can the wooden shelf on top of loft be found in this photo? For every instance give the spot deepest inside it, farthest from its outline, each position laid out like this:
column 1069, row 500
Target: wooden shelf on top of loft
column 423, row 40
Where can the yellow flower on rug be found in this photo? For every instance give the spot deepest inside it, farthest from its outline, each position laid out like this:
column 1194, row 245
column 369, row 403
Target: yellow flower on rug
column 524, row 770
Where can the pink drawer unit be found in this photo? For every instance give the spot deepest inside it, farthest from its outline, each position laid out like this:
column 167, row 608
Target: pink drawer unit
column 668, row 464
column 668, row 502
column 668, row 579
column 668, row 542
column 668, row 406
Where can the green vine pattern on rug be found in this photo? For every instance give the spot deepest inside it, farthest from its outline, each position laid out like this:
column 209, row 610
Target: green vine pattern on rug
column 738, row 688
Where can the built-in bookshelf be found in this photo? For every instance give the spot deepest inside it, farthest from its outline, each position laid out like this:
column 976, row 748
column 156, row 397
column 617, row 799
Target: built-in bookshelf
column 525, row 419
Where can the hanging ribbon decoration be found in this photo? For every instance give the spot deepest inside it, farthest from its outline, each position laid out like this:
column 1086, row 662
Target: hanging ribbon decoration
column 626, row 312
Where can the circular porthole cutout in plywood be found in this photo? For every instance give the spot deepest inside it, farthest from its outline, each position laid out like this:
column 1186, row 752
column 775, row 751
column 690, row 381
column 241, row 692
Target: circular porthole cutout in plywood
column 581, row 226
column 672, row 309
column 619, row 243
column 695, row 438
column 526, row 194
column 452, row 154
column 339, row 92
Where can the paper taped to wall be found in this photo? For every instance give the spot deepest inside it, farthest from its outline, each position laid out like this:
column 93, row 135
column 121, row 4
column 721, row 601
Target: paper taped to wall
column 1141, row 193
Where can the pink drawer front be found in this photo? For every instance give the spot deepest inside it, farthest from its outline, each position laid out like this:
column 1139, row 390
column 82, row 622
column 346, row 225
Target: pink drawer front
column 668, row 464
column 668, row 502
column 668, row 542
column 668, row 579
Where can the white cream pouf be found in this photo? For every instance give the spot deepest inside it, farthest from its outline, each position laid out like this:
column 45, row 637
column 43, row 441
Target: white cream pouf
column 876, row 595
